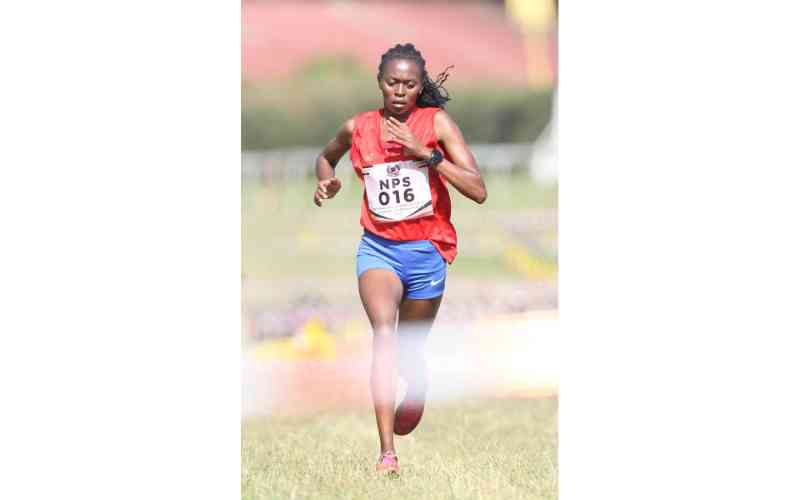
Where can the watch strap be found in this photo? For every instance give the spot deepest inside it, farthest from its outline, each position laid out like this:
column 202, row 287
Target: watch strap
column 436, row 158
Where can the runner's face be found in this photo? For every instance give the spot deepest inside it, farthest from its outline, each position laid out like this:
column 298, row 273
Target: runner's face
column 401, row 84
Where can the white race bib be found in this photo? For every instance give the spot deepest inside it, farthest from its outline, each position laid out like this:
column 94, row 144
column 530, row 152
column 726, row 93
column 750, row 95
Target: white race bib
column 398, row 190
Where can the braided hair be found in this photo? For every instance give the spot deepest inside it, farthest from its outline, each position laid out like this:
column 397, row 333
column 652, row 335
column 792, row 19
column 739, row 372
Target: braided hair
column 433, row 92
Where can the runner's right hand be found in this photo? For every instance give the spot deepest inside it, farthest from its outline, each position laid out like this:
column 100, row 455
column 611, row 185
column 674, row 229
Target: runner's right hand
column 326, row 189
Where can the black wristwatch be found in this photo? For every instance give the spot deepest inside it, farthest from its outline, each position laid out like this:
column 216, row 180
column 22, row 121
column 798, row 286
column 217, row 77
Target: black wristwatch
column 436, row 158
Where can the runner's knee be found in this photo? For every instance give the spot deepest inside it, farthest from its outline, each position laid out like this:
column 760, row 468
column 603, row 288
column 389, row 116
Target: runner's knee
column 383, row 330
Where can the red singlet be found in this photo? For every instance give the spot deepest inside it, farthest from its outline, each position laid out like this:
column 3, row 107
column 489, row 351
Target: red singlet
column 368, row 149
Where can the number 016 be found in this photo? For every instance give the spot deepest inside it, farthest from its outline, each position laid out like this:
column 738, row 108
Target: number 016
column 408, row 196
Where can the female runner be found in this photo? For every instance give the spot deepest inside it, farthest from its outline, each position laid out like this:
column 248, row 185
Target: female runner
column 405, row 155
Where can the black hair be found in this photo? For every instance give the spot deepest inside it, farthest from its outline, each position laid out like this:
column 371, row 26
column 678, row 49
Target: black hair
column 433, row 92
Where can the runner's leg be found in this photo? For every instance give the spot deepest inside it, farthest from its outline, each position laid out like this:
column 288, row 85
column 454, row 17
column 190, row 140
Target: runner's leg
column 381, row 292
column 415, row 320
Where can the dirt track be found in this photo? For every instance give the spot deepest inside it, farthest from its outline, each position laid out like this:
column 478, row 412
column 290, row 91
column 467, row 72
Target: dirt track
column 278, row 37
column 513, row 356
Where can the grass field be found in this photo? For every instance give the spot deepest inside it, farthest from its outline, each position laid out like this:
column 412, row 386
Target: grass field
column 474, row 449
column 289, row 245
column 282, row 223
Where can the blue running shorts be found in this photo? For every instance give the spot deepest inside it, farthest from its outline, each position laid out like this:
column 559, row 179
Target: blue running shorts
column 417, row 263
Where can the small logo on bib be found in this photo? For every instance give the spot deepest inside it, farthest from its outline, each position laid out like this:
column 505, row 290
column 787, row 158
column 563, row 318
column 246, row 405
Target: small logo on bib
column 393, row 170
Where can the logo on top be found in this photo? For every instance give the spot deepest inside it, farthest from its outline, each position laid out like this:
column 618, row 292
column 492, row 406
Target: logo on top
column 393, row 170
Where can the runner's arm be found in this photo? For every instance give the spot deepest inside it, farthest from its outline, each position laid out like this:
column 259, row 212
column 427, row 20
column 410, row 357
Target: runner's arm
column 334, row 150
column 463, row 171
column 327, row 182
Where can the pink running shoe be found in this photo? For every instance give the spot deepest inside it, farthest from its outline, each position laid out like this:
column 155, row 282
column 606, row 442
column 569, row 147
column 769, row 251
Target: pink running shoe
column 409, row 412
column 388, row 464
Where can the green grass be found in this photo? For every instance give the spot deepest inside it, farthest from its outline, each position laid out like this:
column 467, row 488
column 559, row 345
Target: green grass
column 285, row 236
column 477, row 449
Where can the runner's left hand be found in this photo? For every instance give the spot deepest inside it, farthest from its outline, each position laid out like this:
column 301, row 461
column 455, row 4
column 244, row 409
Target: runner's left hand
column 400, row 133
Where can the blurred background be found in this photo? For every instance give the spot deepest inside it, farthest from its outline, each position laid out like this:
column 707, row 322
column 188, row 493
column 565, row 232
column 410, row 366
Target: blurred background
column 309, row 66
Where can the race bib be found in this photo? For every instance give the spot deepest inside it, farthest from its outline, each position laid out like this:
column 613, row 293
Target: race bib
column 398, row 190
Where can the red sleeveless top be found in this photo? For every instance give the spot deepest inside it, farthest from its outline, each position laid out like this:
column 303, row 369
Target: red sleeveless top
column 368, row 149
